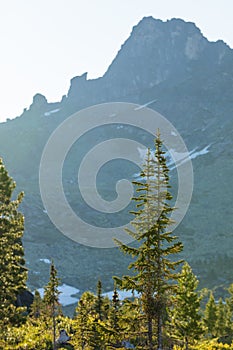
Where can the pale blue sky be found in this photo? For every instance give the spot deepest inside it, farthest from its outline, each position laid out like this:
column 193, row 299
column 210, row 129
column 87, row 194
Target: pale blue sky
column 44, row 43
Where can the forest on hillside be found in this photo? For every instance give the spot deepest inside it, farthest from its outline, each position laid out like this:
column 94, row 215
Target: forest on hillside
column 166, row 309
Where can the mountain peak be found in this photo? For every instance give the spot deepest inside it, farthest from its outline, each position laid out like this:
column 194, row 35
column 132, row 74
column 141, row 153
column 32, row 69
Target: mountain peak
column 153, row 25
column 165, row 44
column 148, row 57
column 77, row 84
column 39, row 101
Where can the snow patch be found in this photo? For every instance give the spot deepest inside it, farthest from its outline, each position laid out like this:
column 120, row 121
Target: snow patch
column 181, row 157
column 46, row 261
column 47, row 114
column 142, row 153
column 173, row 133
column 184, row 157
column 205, row 150
column 145, row 105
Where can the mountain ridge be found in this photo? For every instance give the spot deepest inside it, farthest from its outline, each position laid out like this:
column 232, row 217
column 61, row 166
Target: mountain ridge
column 175, row 26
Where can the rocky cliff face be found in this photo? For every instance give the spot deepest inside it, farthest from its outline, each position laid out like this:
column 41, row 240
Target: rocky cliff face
column 165, row 45
column 156, row 52
column 190, row 81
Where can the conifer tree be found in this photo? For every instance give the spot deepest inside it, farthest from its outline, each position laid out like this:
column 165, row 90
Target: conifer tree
column 51, row 298
column 99, row 302
column 13, row 274
column 131, row 321
column 91, row 332
column 229, row 300
column 113, row 329
column 185, row 315
column 115, row 304
column 37, row 305
column 221, row 319
column 85, row 317
column 210, row 315
column 229, row 307
column 154, row 268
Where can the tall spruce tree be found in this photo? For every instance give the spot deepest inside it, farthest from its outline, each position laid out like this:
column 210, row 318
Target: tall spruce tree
column 185, row 315
column 13, row 274
column 153, row 265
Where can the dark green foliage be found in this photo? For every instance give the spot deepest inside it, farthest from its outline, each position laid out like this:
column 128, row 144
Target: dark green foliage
column 13, row 274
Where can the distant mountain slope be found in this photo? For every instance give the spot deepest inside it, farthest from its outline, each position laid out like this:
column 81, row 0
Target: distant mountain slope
column 190, row 81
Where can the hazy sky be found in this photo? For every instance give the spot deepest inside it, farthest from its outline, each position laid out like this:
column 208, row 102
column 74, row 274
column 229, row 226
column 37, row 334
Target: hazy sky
column 45, row 43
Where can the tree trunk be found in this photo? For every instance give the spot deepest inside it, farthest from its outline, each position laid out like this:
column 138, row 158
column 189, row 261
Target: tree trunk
column 54, row 328
column 159, row 333
column 186, row 343
column 150, row 333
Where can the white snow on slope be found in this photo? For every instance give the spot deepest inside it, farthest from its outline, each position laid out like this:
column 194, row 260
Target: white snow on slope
column 200, row 153
column 46, row 261
column 181, row 157
column 47, row 114
column 145, row 105
column 184, row 157
column 65, row 297
column 173, row 133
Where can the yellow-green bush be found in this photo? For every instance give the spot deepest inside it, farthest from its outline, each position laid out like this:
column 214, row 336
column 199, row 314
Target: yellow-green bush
column 28, row 337
column 34, row 334
column 207, row 345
